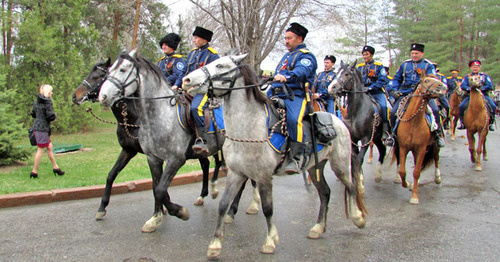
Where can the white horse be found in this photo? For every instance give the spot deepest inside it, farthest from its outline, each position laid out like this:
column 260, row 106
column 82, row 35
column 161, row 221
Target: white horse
column 245, row 118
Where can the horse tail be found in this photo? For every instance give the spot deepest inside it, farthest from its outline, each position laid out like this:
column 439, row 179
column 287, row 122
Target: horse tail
column 429, row 156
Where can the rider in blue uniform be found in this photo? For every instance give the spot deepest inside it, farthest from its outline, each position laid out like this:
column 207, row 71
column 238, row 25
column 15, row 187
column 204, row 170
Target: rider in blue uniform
column 375, row 79
column 296, row 68
column 443, row 100
column 452, row 81
column 322, row 82
column 172, row 65
column 406, row 80
column 201, row 55
column 486, row 86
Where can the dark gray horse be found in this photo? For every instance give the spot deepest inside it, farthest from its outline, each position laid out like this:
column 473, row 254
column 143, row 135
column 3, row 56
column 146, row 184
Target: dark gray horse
column 364, row 124
column 127, row 130
column 161, row 136
column 249, row 156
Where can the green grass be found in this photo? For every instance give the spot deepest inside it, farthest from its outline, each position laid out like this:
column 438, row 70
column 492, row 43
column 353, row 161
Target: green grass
column 83, row 168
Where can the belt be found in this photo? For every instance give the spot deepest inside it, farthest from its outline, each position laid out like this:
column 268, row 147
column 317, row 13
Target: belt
column 409, row 86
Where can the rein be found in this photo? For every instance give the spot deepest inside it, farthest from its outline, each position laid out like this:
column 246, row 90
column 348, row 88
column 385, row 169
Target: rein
column 124, row 114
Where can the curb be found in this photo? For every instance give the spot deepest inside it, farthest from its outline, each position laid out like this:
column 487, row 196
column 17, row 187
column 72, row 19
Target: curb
column 55, row 195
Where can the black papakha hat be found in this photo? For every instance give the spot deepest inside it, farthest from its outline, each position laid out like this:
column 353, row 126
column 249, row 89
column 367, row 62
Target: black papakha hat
column 203, row 33
column 453, row 70
column 171, row 40
column 331, row 58
column 418, row 47
column 369, row 49
column 474, row 62
column 298, row 29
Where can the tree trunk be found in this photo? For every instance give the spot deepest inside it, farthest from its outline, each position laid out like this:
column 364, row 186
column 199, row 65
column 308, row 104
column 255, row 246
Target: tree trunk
column 136, row 24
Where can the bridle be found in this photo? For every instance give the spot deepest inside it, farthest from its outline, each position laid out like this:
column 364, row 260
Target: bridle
column 122, row 85
column 93, row 92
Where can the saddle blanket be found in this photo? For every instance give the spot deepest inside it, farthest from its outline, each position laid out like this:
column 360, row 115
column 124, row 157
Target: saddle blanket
column 218, row 115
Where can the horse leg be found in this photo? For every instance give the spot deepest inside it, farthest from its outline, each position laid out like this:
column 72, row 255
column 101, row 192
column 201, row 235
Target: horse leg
column 402, row 166
column 370, row 154
column 382, row 152
column 472, row 144
column 266, row 194
column 234, row 183
column 205, row 166
column 453, row 127
column 214, row 192
column 419, row 160
column 357, row 173
column 156, row 168
column 485, row 154
column 120, row 163
column 480, row 142
column 253, row 208
column 324, row 196
column 233, row 209
column 437, row 172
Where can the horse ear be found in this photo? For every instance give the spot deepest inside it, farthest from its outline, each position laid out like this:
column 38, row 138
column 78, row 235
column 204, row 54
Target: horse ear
column 239, row 58
column 108, row 63
column 354, row 64
column 232, row 52
column 133, row 53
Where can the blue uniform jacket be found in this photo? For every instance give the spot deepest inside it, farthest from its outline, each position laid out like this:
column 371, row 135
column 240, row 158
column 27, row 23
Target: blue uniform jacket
column 173, row 67
column 374, row 76
column 485, row 81
column 299, row 67
column 407, row 77
column 199, row 57
column 322, row 82
column 452, row 83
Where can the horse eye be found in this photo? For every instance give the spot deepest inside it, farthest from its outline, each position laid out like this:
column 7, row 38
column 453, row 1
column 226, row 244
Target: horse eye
column 122, row 70
column 219, row 66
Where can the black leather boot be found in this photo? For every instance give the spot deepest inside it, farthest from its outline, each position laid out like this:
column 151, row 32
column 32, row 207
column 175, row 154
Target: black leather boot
column 200, row 144
column 385, row 131
column 295, row 158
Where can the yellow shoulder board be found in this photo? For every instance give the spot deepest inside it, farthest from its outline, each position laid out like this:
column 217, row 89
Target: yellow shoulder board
column 377, row 63
column 303, row 50
column 449, row 77
column 359, row 65
column 161, row 59
column 212, row 50
column 439, row 74
column 194, row 49
column 177, row 55
column 390, row 77
column 459, row 77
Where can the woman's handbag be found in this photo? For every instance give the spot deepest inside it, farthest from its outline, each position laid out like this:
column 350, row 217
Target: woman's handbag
column 31, row 134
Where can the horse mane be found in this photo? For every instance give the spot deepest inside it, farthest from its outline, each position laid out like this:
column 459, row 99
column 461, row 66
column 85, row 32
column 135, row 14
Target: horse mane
column 143, row 63
column 250, row 78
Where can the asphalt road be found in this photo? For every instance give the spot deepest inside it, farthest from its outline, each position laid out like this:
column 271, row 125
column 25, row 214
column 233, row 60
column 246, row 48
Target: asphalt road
column 458, row 220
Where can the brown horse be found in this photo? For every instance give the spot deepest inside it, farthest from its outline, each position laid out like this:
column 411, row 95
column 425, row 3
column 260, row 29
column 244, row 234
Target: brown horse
column 455, row 100
column 476, row 120
column 413, row 133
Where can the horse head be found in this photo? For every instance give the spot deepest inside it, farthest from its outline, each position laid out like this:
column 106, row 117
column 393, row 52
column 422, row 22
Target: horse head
column 224, row 70
column 90, row 86
column 345, row 82
column 458, row 89
column 475, row 81
column 123, row 79
column 430, row 86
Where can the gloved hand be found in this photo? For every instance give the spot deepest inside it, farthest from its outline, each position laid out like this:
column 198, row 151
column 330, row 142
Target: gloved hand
column 396, row 94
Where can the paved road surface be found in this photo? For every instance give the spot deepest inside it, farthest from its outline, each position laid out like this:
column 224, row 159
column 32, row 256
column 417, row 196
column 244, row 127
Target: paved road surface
column 458, row 220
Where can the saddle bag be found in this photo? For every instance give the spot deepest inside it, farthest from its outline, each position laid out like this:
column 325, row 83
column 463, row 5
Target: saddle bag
column 323, row 126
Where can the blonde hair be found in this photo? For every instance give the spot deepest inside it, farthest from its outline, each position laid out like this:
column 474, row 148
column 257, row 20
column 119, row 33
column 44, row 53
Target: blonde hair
column 45, row 90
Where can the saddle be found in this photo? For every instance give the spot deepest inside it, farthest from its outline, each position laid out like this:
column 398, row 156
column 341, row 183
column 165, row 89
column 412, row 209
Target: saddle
column 184, row 112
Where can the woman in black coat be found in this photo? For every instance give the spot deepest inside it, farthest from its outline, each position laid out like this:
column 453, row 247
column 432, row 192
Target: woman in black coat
column 43, row 114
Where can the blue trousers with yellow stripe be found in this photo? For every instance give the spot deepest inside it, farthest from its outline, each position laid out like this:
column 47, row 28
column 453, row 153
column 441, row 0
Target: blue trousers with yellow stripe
column 295, row 112
column 198, row 106
column 382, row 101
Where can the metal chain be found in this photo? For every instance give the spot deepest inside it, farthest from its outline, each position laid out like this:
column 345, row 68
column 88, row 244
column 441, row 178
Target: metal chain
column 98, row 118
column 402, row 105
column 124, row 124
column 376, row 122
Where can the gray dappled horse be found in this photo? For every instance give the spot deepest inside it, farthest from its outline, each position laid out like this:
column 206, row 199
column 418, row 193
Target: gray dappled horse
column 126, row 131
column 363, row 123
column 160, row 135
column 245, row 118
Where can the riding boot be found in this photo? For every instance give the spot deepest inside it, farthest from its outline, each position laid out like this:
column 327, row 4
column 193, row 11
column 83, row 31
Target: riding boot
column 492, row 126
column 295, row 158
column 461, row 126
column 200, row 144
column 447, row 123
column 439, row 135
column 385, row 131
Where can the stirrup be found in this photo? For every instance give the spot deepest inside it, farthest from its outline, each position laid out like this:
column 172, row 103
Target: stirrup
column 492, row 127
column 440, row 141
column 389, row 141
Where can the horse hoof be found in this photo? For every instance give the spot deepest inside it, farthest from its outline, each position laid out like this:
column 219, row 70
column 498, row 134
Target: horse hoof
column 183, row 214
column 199, row 201
column 214, row 194
column 397, row 180
column 316, row 231
column 369, row 161
column 414, row 201
column 228, row 219
column 100, row 215
column 437, row 180
column 151, row 225
column 252, row 210
column 485, row 158
column 378, row 179
column 478, row 168
column 359, row 222
column 268, row 249
column 214, row 249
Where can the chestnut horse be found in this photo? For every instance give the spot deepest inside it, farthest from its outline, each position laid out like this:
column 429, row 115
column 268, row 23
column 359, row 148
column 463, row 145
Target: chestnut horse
column 455, row 100
column 413, row 133
column 476, row 120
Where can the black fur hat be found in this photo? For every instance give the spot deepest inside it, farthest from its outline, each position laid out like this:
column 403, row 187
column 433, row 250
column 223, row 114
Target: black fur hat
column 331, row 58
column 369, row 49
column 298, row 29
column 171, row 40
column 418, row 47
column 203, row 33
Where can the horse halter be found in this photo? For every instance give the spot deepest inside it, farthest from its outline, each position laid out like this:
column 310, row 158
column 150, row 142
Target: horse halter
column 428, row 88
column 343, row 84
column 220, row 77
column 122, row 85
column 93, row 92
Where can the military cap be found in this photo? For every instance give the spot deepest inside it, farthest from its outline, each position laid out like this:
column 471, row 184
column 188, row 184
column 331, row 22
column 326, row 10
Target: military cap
column 418, row 47
column 331, row 58
column 453, row 71
column 369, row 49
column 171, row 40
column 474, row 62
column 298, row 29
column 203, row 33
